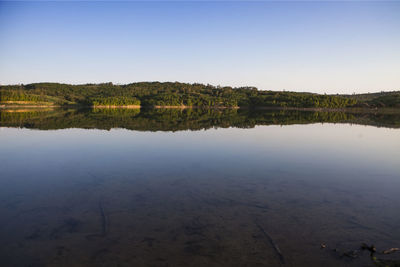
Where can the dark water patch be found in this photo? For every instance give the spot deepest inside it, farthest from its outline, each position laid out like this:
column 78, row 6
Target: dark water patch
column 68, row 226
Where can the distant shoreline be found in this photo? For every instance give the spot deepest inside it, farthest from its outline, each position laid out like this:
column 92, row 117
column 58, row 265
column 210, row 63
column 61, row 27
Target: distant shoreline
column 4, row 106
column 115, row 106
column 178, row 95
column 29, row 106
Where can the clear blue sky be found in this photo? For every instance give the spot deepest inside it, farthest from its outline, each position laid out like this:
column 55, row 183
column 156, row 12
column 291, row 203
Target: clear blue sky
column 333, row 47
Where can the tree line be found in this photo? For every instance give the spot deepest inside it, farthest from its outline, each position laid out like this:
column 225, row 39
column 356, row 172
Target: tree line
column 175, row 94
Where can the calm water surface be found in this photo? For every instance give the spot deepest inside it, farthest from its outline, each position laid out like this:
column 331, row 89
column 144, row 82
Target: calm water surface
column 212, row 197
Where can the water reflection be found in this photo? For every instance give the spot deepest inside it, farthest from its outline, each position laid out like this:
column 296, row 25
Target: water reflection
column 79, row 197
column 185, row 119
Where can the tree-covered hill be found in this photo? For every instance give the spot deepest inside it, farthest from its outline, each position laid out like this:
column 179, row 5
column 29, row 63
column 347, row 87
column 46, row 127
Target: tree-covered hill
column 381, row 99
column 182, row 94
column 166, row 94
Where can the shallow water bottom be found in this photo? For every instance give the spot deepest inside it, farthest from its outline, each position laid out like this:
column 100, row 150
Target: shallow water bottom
column 188, row 221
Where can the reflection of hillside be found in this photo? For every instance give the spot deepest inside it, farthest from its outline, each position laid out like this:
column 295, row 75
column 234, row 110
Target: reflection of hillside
column 182, row 119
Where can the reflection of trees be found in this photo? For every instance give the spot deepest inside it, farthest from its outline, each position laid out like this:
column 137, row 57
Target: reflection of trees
column 183, row 119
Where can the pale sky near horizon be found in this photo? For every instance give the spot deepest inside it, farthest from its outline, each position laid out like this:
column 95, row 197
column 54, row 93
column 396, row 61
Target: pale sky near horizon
column 324, row 47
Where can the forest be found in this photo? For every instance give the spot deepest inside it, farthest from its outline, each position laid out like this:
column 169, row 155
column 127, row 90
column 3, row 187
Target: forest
column 164, row 94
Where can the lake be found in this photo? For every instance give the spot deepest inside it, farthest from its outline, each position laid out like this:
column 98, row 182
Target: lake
column 198, row 187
